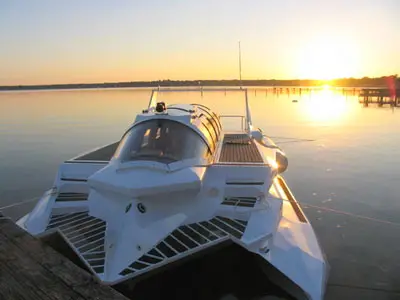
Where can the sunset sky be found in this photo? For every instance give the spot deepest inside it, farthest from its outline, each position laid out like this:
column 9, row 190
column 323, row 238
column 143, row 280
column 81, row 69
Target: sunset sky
column 48, row 41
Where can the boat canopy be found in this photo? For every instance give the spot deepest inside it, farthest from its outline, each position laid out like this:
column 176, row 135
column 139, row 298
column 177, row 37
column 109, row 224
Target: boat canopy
column 161, row 140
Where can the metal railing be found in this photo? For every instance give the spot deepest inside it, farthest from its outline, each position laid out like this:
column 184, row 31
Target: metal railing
column 242, row 121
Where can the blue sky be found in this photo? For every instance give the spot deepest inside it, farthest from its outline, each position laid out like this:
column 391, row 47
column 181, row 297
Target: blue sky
column 48, row 41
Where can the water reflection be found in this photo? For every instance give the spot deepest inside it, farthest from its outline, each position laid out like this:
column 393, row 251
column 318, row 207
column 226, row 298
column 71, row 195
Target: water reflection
column 326, row 106
column 348, row 161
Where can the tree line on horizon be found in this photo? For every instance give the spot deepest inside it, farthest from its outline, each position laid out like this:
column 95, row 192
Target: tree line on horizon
column 384, row 81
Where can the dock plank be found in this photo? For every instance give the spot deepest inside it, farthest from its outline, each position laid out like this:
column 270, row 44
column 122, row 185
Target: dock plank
column 21, row 274
column 30, row 269
column 342, row 292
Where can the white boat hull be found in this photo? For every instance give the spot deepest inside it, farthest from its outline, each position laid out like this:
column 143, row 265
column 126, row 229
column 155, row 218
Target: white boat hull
column 178, row 185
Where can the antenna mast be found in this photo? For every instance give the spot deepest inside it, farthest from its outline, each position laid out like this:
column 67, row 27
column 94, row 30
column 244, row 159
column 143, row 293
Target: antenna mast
column 240, row 66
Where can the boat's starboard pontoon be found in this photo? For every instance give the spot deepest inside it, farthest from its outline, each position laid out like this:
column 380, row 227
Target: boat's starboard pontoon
column 176, row 184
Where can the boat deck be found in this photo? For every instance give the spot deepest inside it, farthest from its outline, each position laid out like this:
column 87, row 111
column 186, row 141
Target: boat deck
column 30, row 269
column 236, row 148
column 101, row 154
column 239, row 148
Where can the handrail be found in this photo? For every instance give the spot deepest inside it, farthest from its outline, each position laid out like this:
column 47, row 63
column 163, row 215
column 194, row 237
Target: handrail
column 199, row 89
column 243, row 119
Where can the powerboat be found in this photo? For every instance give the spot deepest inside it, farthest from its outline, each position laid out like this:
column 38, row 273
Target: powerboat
column 180, row 190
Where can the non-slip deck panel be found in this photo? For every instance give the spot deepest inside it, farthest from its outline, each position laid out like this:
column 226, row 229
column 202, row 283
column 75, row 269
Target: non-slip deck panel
column 239, row 148
column 240, row 201
column 102, row 154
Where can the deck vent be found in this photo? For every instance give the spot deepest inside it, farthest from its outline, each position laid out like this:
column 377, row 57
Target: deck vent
column 244, row 182
column 240, row 201
column 188, row 239
column 71, row 197
column 86, row 234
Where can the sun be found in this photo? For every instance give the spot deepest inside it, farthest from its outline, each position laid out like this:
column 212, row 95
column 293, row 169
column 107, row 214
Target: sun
column 327, row 58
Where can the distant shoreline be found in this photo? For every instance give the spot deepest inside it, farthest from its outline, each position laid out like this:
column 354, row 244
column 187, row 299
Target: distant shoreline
column 345, row 82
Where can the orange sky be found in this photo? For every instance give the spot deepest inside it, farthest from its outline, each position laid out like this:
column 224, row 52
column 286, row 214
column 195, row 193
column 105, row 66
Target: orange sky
column 90, row 41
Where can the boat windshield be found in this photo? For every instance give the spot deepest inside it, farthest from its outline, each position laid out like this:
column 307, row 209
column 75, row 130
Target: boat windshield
column 161, row 140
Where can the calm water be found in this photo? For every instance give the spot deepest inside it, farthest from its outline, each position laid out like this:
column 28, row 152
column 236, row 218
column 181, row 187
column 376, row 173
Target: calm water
column 342, row 158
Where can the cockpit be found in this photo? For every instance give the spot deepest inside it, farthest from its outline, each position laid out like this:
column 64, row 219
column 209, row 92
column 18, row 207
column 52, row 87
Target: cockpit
column 162, row 140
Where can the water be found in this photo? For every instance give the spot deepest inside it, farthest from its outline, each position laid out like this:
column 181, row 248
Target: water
column 342, row 158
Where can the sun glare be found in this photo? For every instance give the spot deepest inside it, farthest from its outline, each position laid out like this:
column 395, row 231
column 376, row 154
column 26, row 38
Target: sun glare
column 326, row 86
column 327, row 58
column 326, row 106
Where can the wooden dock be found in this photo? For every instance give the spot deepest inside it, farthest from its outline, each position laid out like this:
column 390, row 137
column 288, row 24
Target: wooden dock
column 379, row 96
column 32, row 270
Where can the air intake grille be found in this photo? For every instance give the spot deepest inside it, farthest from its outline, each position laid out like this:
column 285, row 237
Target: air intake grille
column 71, row 197
column 85, row 233
column 186, row 239
column 240, row 201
